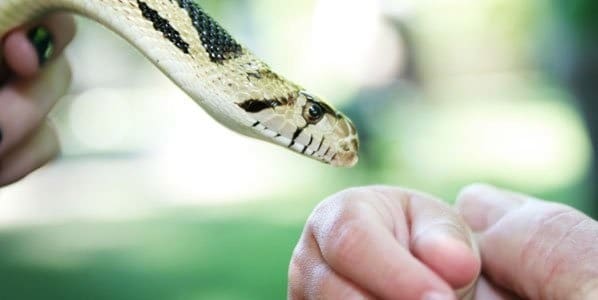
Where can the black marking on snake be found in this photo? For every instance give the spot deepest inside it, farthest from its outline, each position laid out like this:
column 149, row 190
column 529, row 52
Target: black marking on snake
column 321, row 143
column 163, row 26
column 296, row 135
column 326, row 153
column 219, row 45
column 263, row 74
column 254, row 75
column 255, row 106
column 311, row 140
column 255, row 124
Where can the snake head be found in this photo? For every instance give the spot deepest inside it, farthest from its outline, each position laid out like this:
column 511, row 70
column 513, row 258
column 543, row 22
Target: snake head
column 306, row 124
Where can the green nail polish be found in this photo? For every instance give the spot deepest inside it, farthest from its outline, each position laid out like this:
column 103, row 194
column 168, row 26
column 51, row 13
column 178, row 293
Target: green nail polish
column 41, row 39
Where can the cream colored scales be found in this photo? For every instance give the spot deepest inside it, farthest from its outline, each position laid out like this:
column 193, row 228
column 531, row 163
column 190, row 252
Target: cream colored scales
column 232, row 85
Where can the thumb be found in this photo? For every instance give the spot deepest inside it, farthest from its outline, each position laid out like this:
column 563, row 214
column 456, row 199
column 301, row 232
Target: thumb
column 537, row 249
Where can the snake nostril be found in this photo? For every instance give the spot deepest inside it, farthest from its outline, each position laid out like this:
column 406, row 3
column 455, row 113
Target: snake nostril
column 345, row 147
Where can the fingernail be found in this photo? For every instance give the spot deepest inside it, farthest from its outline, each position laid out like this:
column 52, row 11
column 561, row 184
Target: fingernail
column 43, row 43
column 438, row 296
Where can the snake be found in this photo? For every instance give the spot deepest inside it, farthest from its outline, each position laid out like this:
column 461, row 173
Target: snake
column 226, row 79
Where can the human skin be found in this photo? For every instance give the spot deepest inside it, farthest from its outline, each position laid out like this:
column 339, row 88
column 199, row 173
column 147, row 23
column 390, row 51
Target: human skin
column 532, row 248
column 391, row 243
column 382, row 243
column 28, row 92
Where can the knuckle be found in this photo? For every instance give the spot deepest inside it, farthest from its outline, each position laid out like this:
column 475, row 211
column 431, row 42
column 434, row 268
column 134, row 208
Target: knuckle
column 352, row 194
column 345, row 242
column 337, row 226
column 471, row 193
column 557, row 219
column 335, row 209
column 554, row 233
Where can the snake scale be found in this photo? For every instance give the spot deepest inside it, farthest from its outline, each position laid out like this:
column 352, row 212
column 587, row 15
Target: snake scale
column 224, row 78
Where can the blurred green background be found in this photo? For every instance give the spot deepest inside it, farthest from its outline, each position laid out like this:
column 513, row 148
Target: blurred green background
column 152, row 199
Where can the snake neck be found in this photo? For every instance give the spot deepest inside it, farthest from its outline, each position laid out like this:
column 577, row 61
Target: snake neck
column 181, row 40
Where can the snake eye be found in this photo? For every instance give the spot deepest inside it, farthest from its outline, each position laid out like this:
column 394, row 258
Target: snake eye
column 313, row 112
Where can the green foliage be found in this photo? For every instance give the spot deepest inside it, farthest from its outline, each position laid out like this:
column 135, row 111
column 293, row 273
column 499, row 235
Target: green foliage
column 582, row 14
column 163, row 259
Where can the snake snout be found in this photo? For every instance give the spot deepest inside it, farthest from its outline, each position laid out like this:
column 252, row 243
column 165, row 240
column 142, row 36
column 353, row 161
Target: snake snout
column 347, row 154
column 348, row 146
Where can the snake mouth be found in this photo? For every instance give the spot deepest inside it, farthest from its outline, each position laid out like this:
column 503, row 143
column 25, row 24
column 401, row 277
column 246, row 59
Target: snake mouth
column 341, row 154
column 345, row 159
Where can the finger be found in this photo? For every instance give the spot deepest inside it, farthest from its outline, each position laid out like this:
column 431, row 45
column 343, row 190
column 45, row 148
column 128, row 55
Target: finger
column 441, row 240
column 481, row 207
column 537, row 249
column 326, row 284
column 41, row 148
column 311, row 278
column 487, row 291
column 23, row 56
column 358, row 245
column 24, row 104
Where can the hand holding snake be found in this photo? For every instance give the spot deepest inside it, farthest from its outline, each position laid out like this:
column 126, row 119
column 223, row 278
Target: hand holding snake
column 27, row 93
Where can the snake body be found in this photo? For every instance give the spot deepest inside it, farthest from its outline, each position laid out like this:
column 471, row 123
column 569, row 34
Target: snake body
column 224, row 78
